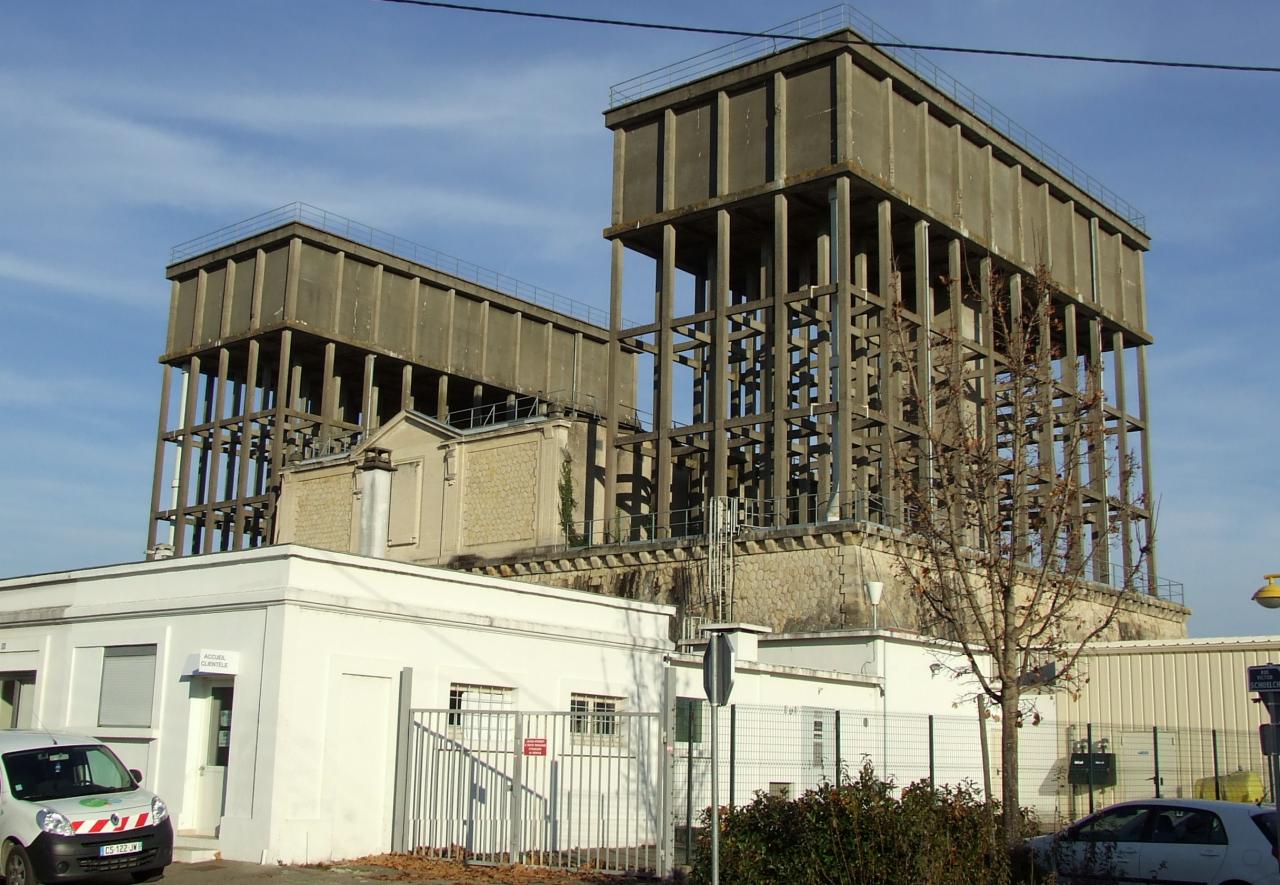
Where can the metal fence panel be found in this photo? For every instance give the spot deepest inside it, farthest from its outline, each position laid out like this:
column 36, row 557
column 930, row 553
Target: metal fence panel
column 566, row 790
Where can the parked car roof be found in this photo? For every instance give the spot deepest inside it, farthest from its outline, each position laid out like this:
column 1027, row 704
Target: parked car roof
column 31, row 740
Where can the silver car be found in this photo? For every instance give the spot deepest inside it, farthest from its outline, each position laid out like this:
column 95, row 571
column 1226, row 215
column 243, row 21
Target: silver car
column 1166, row 840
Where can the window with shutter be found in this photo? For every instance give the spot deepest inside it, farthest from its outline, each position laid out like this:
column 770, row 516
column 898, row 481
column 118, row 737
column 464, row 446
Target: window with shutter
column 128, row 685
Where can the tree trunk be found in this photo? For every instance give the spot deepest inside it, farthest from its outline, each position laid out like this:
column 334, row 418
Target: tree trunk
column 1011, row 807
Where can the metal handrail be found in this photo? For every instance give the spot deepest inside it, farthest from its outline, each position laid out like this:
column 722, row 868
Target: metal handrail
column 863, row 509
column 521, row 409
column 358, row 232
column 836, row 18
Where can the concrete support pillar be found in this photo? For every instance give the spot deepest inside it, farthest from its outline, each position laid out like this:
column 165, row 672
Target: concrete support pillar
column 1097, row 449
column 406, row 387
column 157, row 475
column 1124, row 463
column 192, row 385
column 215, row 452
column 247, row 430
column 924, row 356
column 720, row 360
column 780, row 364
column 368, row 398
column 1144, row 415
column 614, row 371
column 1071, row 455
column 662, row 395
column 890, row 296
column 279, row 429
column 842, row 354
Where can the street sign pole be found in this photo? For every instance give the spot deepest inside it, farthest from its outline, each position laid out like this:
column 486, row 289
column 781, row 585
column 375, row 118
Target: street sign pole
column 713, row 656
column 1265, row 680
column 717, row 681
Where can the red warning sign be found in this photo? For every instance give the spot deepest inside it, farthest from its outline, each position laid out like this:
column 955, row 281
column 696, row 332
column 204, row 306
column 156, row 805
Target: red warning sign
column 535, row 746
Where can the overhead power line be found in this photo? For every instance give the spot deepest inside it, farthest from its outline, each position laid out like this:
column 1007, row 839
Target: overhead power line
column 922, row 47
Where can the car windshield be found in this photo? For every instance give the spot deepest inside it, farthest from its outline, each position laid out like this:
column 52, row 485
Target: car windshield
column 60, row 772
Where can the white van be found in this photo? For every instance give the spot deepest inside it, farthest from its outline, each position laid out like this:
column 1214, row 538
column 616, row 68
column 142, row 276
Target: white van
column 70, row 810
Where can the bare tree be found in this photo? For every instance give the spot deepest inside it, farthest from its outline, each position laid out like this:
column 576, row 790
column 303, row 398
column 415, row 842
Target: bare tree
column 1011, row 491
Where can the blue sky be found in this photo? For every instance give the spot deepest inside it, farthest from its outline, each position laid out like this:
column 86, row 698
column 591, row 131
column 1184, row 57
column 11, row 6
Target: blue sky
column 131, row 126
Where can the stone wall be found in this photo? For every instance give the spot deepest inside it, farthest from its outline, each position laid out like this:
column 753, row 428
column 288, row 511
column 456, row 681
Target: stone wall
column 321, row 511
column 500, row 497
column 795, row 580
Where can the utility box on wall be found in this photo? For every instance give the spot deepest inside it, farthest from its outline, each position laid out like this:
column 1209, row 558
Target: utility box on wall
column 1104, row 769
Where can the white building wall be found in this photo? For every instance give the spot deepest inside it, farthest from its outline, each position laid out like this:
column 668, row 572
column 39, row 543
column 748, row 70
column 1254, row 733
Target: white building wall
column 924, row 677
column 321, row 641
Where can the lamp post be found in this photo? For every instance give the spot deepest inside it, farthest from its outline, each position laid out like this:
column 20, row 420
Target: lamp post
column 1268, row 596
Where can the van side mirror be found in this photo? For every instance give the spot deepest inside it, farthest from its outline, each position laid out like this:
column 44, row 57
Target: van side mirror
column 135, row 774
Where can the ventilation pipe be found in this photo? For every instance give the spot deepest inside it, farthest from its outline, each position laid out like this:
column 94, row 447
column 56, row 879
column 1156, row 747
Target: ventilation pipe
column 374, row 484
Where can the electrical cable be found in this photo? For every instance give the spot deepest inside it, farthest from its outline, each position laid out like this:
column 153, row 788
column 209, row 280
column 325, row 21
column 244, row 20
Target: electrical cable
column 919, row 47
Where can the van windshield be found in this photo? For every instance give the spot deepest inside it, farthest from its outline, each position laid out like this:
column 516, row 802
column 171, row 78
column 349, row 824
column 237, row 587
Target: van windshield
column 60, row 772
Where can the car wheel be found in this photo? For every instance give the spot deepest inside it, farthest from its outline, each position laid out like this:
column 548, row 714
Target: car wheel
column 146, row 875
column 17, row 867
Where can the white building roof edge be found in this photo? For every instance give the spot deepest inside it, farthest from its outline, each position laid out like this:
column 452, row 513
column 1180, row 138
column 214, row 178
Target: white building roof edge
column 285, row 553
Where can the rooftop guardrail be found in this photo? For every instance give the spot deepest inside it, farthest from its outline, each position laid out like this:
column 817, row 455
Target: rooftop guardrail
column 836, row 18
column 355, row 231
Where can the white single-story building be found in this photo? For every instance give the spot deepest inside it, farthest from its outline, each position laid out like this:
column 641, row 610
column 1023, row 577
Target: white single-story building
column 263, row 692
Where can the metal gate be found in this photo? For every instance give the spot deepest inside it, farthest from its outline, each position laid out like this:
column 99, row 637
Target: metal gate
column 571, row 790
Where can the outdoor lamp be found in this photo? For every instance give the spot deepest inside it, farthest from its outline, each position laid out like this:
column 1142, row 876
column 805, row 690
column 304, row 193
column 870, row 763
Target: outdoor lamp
column 875, row 589
column 1268, row 596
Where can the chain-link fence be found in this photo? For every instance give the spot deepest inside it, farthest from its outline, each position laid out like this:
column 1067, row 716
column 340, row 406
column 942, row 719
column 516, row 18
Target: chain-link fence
column 1065, row 771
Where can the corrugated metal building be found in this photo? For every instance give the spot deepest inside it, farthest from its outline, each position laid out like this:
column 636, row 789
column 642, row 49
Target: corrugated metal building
column 1170, row 683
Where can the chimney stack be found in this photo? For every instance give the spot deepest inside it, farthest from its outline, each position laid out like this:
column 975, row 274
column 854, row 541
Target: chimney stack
column 375, row 501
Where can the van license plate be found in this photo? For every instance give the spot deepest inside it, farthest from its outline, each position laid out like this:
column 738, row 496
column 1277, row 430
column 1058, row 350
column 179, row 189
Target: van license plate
column 119, row 848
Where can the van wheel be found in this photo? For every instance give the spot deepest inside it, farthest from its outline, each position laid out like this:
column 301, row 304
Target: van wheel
column 17, row 867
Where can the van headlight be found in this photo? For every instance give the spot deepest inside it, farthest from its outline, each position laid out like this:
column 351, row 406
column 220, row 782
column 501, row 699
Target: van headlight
column 159, row 811
column 54, row 822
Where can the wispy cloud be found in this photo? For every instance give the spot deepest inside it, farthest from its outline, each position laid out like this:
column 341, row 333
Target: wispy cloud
column 98, row 283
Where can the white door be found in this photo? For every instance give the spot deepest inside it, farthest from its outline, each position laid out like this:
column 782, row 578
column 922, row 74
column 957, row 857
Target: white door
column 360, row 763
column 212, row 701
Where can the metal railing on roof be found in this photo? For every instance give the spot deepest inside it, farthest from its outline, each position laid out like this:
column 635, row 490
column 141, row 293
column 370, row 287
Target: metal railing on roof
column 836, row 18
column 856, row 508
column 371, row 236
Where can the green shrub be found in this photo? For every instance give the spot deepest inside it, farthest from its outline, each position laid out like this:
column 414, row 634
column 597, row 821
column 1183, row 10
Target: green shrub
column 860, row 833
